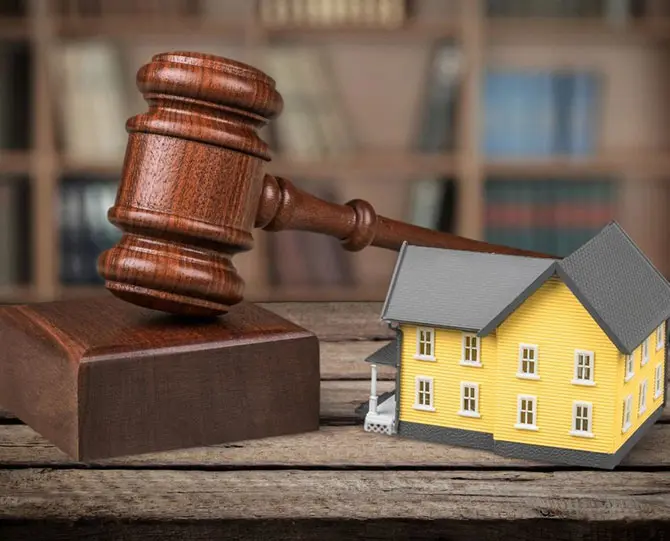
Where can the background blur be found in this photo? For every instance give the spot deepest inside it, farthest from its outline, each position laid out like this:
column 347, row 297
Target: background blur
column 530, row 123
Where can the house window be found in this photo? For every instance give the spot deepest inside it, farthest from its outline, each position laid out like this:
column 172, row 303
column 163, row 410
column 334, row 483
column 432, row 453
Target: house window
column 659, row 337
column 582, row 419
column 630, row 367
column 658, row 381
column 643, row 398
column 469, row 400
column 425, row 344
column 424, row 394
column 627, row 412
column 645, row 352
column 471, row 353
column 584, row 366
column 527, row 362
column 526, row 412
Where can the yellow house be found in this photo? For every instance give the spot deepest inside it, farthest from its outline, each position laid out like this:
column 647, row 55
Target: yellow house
column 558, row 361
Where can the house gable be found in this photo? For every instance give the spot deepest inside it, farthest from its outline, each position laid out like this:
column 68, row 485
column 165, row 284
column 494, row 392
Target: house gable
column 619, row 287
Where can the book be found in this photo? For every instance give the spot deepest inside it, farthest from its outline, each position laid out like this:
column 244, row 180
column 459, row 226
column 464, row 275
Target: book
column 84, row 230
column 329, row 13
column 529, row 113
column 553, row 215
column 432, row 200
column 92, row 102
column 14, row 231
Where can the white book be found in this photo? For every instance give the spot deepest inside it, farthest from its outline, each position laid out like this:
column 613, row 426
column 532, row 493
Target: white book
column 92, row 99
column 617, row 12
column 295, row 128
column 426, row 203
column 328, row 110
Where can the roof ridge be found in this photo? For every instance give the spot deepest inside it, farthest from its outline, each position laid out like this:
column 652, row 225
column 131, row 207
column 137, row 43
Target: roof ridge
column 644, row 256
column 613, row 224
column 394, row 277
column 609, row 225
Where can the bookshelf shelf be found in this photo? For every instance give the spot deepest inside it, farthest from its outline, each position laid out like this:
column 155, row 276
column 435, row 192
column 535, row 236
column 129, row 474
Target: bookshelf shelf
column 420, row 31
column 567, row 30
column 75, row 167
column 17, row 294
column 651, row 165
column 141, row 27
column 15, row 163
column 14, row 28
column 397, row 163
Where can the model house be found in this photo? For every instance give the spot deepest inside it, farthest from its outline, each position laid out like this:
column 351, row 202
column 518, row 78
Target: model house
column 552, row 360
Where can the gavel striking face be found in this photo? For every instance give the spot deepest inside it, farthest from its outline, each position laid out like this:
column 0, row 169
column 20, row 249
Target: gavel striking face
column 193, row 187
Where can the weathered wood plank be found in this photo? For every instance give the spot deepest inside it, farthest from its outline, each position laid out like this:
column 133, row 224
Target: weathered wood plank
column 346, row 360
column 330, row 447
column 172, row 496
column 336, row 320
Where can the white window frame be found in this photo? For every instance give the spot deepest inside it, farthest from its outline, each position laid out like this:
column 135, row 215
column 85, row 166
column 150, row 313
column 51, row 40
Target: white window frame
column 520, row 373
column 469, row 413
column 629, row 362
column 658, row 381
column 660, row 338
column 585, row 354
column 627, row 414
column 642, row 404
column 588, row 406
column 431, row 393
column 478, row 349
column 644, row 355
column 431, row 333
column 526, row 426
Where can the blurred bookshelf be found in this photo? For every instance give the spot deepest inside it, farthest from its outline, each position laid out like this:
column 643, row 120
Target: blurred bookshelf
column 526, row 122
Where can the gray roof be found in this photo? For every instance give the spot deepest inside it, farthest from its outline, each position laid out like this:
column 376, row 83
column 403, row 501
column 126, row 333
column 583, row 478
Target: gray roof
column 610, row 276
column 619, row 286
column 387, row 355
column 458, row 289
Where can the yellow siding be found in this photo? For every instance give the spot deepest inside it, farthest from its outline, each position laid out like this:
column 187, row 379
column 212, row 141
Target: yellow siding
column 632, row 387
column 554, row 320
column 447, row 374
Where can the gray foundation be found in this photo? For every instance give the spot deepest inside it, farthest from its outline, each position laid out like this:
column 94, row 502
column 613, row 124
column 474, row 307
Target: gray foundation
column 538, row 453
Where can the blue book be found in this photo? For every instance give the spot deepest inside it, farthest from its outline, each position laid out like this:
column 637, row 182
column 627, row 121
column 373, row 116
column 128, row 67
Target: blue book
column 519, row 114
column 583, row 114
column 563, row 90
column 496, row 114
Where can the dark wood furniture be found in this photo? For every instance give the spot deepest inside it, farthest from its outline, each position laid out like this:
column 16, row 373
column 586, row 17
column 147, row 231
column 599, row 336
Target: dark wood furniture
column 337, row 483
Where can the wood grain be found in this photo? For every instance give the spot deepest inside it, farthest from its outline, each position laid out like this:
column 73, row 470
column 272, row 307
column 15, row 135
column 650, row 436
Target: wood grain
column 194, row 186
column 100, row 377
column 336, row 483
column 339, row 399
column 72, row 494
column 333, row 447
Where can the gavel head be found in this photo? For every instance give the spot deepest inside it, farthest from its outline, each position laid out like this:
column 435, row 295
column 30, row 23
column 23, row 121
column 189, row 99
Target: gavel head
column 191, row 183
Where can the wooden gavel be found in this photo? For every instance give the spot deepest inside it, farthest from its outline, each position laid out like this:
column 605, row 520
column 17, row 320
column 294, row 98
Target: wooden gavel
column 193, row 187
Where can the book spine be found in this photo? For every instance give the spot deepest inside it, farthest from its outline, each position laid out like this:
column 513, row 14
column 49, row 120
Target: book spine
column 617, row 12
column 584, row 114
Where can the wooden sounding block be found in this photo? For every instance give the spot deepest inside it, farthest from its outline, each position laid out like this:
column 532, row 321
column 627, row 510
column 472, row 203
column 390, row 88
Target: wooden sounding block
column 102, row 377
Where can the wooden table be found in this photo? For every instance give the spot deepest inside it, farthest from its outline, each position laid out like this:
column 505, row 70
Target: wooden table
column 338, row 483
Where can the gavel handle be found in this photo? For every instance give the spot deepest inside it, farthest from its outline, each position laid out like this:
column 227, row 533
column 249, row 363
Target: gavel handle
column 282, row 206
